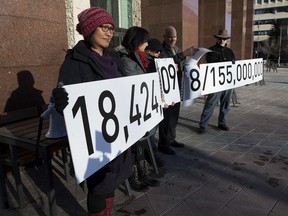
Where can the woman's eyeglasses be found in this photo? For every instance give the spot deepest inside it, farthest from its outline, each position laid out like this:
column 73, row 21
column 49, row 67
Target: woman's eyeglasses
column 107, row 28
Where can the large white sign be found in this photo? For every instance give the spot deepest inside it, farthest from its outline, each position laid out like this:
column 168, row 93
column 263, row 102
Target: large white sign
column 215, row 77
column 167, row 70
column 191, row 62
column 104, row 118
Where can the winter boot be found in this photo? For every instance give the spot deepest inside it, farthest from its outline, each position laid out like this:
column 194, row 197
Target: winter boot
column 102, row 213
column 144, row 174
column 135, row 184
column 109, row 205
column 107, row 211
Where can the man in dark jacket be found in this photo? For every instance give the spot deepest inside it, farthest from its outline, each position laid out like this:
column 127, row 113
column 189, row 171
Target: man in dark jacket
column 167, row 127
column 221, row 54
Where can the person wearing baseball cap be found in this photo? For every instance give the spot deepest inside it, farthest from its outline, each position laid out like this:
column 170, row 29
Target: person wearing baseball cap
column 89, row 61
column 221, row 54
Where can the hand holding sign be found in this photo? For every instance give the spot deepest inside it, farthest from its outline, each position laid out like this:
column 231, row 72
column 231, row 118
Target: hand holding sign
column 190, row 87
column 168, row 77
column 215, row 77
column 226, row 75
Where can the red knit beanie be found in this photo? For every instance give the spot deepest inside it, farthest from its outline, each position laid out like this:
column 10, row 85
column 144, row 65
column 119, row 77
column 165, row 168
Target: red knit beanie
column 91, row 18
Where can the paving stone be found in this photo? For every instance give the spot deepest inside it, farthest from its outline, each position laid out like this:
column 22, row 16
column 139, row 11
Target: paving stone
column 241, row 172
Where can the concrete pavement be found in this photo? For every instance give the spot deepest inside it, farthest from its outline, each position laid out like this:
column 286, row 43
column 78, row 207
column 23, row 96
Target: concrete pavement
column 241, row 172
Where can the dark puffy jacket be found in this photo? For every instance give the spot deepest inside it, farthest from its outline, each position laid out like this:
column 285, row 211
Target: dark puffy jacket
column 130, row 63
column 79, row 66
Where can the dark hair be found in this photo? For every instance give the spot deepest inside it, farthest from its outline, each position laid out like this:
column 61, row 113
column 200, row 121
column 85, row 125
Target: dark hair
column 134, row 37
column 154, row 45
column 89, row 39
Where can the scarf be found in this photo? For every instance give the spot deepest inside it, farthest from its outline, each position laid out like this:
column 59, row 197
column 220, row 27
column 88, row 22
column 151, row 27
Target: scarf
column 143, row 58
column 107, row 64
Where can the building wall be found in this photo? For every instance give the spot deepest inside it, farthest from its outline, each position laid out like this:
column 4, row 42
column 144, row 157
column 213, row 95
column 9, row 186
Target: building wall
column 136, row 12
column 278, row 11
column 267, row 16
column 73, row 8
column 33, row 38
column 156, row 16
column 211, row 19
column 249, row 32
column 190, row 18
column 197, row 21
column 238, row 34
column 35, row 34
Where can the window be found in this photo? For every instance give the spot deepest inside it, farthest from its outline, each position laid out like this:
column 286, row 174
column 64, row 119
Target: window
column 121, row 11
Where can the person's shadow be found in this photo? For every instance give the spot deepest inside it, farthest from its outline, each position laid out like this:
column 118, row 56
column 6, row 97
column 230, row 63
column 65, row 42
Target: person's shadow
column 25, row 95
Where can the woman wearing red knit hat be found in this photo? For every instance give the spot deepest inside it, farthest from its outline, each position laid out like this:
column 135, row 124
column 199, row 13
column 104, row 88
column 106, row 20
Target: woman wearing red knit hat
column 89, row 61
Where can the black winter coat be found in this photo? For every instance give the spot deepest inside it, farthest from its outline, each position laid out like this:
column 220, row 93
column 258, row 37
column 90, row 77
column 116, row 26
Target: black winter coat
column 79, row 66
column 220, row 54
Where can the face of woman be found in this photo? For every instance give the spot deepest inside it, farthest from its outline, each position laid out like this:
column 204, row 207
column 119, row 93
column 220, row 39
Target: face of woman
column 102, row 37
column 143, row 46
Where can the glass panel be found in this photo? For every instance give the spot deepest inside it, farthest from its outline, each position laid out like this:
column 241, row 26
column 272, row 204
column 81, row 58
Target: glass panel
column 121, row 11
column 125, row 9
column 109, row 5
column 100, row 3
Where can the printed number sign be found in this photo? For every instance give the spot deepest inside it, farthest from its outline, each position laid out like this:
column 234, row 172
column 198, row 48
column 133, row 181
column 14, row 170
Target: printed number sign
column 191, row 62
column 104, row 118
column 168, row 80
column 215, row 77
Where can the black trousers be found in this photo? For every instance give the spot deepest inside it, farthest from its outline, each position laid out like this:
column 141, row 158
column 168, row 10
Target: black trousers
column 167, row 127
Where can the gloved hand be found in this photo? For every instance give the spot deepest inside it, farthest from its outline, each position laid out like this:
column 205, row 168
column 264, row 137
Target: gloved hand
column 60, row 99
column 190, row 51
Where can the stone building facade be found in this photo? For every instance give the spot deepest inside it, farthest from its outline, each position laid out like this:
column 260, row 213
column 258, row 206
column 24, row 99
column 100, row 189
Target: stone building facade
column 36, row 34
